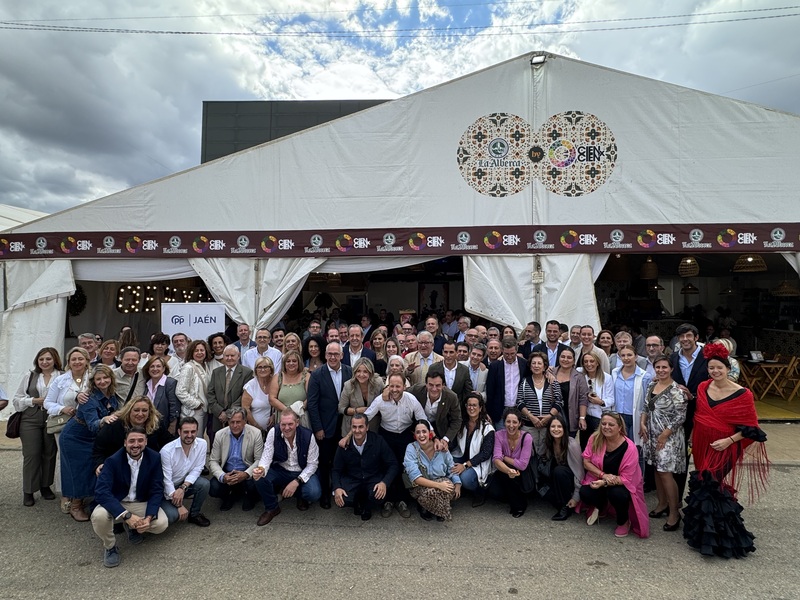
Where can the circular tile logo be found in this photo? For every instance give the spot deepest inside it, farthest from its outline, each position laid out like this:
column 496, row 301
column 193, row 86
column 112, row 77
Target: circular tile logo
column 174, row 242
column 417, row 241
column 569, row 239
column 492, row 240
column 646, row 238
column 200, row 244
column 617, row 236
column 540, row 236
column 269, row 243
column 492, row 155
column 498, row 148
column 243, row 241
column 108, row 242
column 41, row 243
column 389, row 239
column 463, row 237
column 133, row 244
column 344, row 242
column 726, row 238
column 777, row 234
column 696, row 235
column 562, row 154
column 68, row 245
column 316, row 240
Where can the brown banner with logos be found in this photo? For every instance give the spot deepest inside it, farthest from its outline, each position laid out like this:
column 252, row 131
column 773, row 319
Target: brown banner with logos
column 443, row 241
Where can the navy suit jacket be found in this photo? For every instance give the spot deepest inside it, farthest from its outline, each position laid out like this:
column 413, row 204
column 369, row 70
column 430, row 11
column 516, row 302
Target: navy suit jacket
column 115, row 481
column 496, row 387
column 365, row 353
column 376, row 463
column 323, row 401
column 542, row 347
column 697, row 375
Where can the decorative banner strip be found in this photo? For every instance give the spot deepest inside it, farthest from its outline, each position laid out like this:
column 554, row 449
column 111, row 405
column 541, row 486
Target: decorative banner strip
column 445, row 241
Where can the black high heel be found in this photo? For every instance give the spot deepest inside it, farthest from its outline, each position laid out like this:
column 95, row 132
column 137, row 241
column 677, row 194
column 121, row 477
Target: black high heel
column 658, row 514
column 674, row 527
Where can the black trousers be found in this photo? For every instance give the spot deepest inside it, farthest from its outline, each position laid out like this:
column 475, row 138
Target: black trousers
column 562, row 486
column 327, row 450
column 507, row 489
column 397, row 443
column 217, row 489
column 361, row 493
column 617, row 495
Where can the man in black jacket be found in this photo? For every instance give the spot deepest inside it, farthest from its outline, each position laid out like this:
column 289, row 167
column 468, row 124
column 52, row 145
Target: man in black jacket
column 363, row 470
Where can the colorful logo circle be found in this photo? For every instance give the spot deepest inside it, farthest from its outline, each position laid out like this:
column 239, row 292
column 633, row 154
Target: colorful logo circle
column 200, row 244
column 269, row 243
column 492, row 240
column 417, row 241
column 646, row 238
column 569, row 239
column 344, row 242
column 133, row 244
column 726, row 238
column 562, row 153
column 68, row 245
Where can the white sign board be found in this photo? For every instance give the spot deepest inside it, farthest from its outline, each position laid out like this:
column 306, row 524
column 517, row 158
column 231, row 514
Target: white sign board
column 198, row 320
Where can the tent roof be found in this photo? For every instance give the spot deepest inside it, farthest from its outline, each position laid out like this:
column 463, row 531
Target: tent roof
column 12, row 216
column 671, row 155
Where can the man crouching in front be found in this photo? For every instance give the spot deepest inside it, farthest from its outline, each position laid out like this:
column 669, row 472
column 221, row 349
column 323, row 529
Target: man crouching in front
column 129, row 489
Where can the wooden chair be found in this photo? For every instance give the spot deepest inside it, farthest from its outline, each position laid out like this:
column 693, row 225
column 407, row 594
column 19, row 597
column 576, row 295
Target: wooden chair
column 791, row 378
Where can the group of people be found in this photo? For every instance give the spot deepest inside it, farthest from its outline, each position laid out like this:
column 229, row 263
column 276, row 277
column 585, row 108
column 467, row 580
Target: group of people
column 404, row 419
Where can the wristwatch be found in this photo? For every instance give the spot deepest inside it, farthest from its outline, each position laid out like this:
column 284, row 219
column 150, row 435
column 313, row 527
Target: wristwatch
column 126, row 515
column 298, row 480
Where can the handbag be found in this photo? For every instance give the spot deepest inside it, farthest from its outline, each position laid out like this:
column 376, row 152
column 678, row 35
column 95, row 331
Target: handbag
column 543, row 474
column 56, row 423
column 12, row 426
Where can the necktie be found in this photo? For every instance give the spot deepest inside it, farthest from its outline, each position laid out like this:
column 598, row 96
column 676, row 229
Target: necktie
column 228, row 385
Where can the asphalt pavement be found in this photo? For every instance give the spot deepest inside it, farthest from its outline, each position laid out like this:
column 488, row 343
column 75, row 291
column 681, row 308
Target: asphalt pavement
column 481, row 553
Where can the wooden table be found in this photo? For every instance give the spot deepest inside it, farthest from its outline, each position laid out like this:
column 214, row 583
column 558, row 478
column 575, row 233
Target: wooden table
column 764, row 376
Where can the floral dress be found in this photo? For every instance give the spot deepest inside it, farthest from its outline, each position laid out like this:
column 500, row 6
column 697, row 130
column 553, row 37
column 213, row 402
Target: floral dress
column 665, row 410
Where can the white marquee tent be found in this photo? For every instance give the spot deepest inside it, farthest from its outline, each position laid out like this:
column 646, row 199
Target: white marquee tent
column 674, row 156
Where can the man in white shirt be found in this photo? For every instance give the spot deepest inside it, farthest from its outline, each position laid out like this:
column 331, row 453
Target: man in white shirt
column 463, row 327
column 290, row 462
column 478, row 371
column 354, row 348
column 654, row 346
column 180, row 341
column 182, row 462
column 263, row 349
column 456, row 376
column 244, row 343
column 449, row 326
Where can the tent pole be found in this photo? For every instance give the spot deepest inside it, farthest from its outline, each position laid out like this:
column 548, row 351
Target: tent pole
column 537, row 288
column 257, row 291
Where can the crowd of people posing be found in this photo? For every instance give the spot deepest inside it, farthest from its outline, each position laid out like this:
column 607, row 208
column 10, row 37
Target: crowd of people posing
column 405, row 419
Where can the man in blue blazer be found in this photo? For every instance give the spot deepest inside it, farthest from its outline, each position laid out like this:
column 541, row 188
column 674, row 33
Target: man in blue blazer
column 354, row 348
column 137, row 505
column 324, row 389
column 551, row 346
column 497, row 397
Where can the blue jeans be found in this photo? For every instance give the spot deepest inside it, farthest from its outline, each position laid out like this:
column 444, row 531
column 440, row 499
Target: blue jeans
column 469, row 479
column 629, row 426
column 278, row 477
column 198, row 491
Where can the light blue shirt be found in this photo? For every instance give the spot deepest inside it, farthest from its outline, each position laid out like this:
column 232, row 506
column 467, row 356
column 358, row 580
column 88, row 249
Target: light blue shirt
column 235, row 462
column 623, row 393
column 686, row 366
column 336, row 376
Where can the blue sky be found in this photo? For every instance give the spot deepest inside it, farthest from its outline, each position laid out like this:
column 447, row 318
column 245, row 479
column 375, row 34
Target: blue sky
column 91, row 113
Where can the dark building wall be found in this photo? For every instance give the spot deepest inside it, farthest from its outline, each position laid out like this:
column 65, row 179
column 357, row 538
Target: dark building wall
column 229, row 127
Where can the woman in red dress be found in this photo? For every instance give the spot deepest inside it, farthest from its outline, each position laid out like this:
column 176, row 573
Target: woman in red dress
column 728, row 450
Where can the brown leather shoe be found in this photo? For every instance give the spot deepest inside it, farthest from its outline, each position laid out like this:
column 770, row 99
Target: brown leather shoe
column 267, row 516
column 302, row 504
column 76, row 511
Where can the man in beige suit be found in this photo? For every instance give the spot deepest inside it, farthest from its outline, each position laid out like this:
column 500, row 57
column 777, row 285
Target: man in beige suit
column 419, row 361
column 236, row 451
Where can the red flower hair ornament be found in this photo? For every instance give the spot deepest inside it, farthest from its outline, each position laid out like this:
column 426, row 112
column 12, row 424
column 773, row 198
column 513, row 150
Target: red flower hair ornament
column 715, row 350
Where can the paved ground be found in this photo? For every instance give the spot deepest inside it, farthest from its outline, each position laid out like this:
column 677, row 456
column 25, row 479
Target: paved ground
column 482, row 553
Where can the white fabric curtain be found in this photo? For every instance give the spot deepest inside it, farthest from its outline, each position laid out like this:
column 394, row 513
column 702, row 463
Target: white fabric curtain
column 37, row 292
column 793, row 258
column 124, row 269
column 231, row 281
column 598, row 263
column 500, row 288
column 281, row 281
